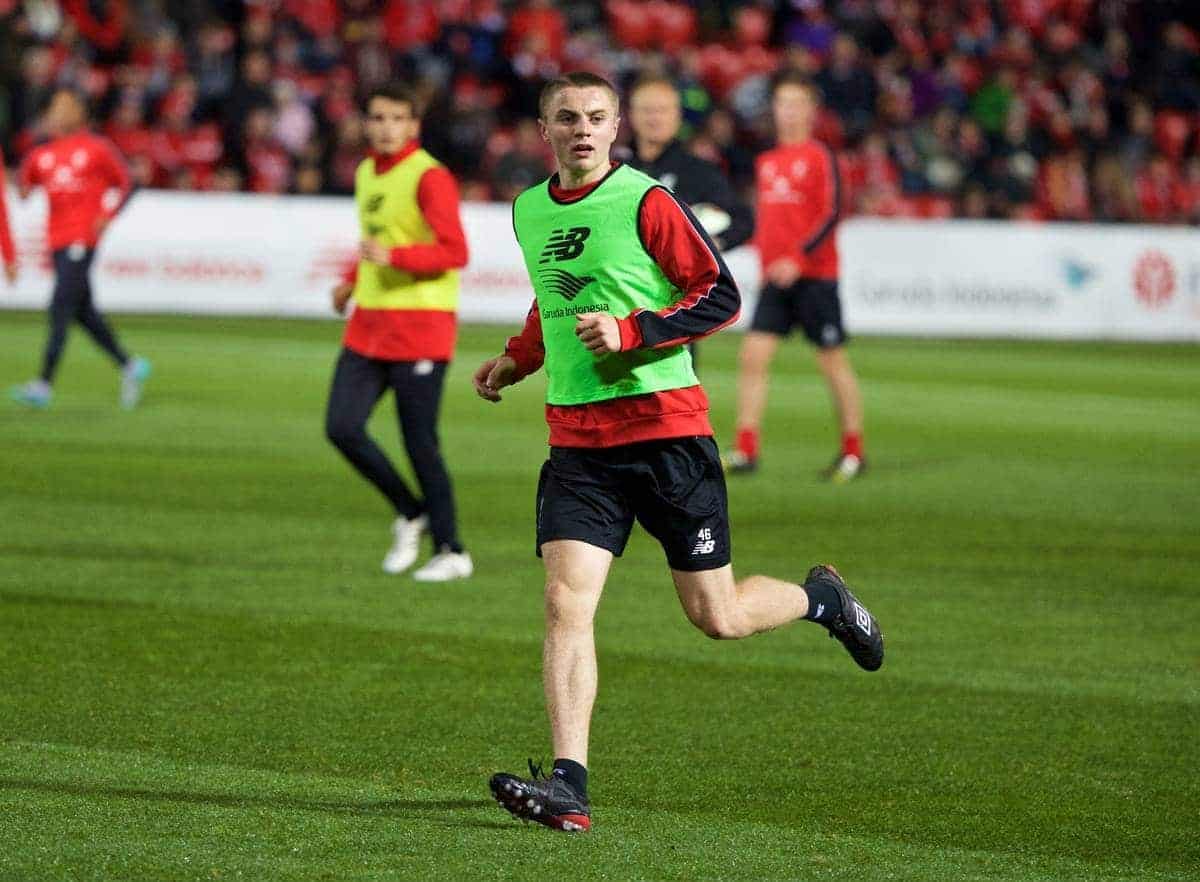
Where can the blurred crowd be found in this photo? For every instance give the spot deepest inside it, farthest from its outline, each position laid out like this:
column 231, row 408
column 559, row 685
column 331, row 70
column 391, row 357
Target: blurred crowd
column 1081, row 110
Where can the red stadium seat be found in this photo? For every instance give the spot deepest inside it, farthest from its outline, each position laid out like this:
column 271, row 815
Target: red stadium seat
column 674, row 25
column 631, row 23
column 1172, row 129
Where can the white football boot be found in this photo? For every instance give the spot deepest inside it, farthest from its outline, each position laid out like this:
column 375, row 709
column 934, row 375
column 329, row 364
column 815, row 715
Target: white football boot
column 844, row 469
column 133, row 380
column 407, row 544
column 35, row 393
column 446, row 565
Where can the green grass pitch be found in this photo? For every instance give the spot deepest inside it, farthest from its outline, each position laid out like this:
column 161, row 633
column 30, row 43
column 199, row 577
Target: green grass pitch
column 205, row 675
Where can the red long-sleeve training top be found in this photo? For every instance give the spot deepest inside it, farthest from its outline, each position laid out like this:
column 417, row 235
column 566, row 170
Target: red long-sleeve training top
column 799, row 198
column 709, row 301
column 76, row 171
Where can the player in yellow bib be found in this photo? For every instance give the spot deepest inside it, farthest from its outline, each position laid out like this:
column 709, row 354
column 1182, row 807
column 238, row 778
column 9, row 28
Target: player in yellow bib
column 401, row 334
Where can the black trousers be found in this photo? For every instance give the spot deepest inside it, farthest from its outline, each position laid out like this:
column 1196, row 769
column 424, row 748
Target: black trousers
column 72, row 300
column 358, row 384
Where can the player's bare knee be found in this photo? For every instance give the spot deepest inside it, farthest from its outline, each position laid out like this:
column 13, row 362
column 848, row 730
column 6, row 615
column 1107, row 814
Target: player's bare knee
column 754, row 359
column 749, row 360
column 719, row 626
column 564, row 604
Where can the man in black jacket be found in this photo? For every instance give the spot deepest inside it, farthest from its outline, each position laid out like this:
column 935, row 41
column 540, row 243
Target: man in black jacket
column 656, row 113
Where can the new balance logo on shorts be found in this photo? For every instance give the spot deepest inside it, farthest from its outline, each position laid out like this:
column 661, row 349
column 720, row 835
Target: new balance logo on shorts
column 705, row 543
column 565, row 245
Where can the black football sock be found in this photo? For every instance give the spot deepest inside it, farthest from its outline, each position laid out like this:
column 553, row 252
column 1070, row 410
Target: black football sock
column 573, row 773
column 823, row 603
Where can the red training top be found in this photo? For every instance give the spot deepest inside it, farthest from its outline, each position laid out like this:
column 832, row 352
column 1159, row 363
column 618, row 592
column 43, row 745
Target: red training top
column 76, row 171
column 710, row 301
column 7, row 251
column 799, row 199
column 414, row 334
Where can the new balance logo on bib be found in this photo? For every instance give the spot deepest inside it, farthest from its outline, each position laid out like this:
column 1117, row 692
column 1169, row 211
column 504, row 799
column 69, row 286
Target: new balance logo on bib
column 565, row 245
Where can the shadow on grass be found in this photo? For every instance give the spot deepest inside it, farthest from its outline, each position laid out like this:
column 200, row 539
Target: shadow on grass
column 29, row 599
column 418, row 808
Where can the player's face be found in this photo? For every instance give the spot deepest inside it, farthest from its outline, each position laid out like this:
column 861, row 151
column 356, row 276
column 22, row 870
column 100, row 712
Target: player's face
column 655, row 113
column 795, row 111
column 580, row 125
column 65, row 114
column 390, row 124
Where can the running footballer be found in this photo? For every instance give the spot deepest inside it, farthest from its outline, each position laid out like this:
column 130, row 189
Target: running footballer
column 624, row 277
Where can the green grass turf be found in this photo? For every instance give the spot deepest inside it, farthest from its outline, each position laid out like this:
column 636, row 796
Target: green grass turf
column 205, row 676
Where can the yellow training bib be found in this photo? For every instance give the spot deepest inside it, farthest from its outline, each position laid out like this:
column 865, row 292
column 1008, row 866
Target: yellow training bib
column 389, row 212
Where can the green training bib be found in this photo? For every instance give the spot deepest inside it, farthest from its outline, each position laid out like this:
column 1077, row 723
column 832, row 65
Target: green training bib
column 587, row 256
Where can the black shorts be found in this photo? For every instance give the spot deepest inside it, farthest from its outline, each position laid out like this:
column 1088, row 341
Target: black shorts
column 811, row 303
column 675, row 488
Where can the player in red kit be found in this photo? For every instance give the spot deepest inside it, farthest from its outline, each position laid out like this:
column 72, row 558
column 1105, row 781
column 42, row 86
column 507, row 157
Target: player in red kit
column 77, row 169
column 798, row 195
column 7, row 252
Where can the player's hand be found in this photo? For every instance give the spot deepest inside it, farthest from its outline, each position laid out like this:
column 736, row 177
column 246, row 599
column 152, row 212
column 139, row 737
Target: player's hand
column 493, row 375
column 598, row 331
column 101, row 223
column 11, row 273
column 374, row 251
column 341, row 296
column 783, row 272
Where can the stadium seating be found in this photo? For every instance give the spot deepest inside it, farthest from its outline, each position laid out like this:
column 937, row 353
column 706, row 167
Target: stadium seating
column 1013, row 109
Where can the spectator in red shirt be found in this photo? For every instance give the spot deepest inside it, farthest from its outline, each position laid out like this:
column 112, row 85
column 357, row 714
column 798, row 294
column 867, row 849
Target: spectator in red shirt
column 267, row 166
column 128, row 130
column 77, row 170
column 320, row 18
column 1063, row 187
column 102, row 24
column 1158, row 190
column 799, row 203
column 540, row 22
column 180, row 144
